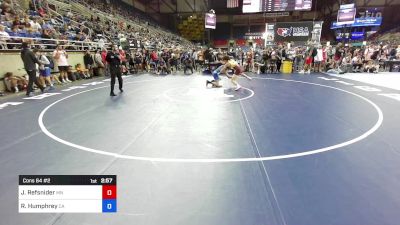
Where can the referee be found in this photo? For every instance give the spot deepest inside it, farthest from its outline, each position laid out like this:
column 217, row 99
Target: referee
column 114, row 60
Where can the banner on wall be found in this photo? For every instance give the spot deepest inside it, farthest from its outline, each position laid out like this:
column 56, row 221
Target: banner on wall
column 220, row 43
column 293, row 31
column 316, row 33
column 210, row 20
column 361, row 22
column 241, row 42
column 269, row 34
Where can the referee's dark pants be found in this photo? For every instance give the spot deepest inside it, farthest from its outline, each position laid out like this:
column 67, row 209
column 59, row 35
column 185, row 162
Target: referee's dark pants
column 115, row 71
column 32, row 79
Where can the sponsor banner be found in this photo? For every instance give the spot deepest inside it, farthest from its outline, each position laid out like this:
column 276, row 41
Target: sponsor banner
column 369, row 12
column 357, row 35
column 361, row 22
column 210, row 20
column 293, row 31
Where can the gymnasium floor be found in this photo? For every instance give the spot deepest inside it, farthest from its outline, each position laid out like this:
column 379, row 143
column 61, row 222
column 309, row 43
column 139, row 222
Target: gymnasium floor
column 285, row 150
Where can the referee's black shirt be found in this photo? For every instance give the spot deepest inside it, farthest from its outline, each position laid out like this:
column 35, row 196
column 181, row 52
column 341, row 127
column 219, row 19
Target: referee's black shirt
column 113, row 59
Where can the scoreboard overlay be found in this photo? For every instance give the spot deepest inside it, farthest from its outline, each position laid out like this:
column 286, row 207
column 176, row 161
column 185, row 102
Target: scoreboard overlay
column 67, row 194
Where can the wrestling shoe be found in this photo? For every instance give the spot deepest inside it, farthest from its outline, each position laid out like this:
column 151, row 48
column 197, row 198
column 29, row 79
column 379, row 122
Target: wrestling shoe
column 216, row 86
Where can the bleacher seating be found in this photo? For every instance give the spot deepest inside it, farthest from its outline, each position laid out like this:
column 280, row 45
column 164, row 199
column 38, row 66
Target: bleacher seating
column 81, row 21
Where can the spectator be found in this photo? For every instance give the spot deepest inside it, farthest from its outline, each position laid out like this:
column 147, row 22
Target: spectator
column 338, row 56
column 368, row 53
column 308, row 62
column 371, row 67
column 188, row 64
column 44, row 69
column 138, row 61
column 83, row 73
column 4, row 37
column 105, row 63
column 122, row 55
column 318, row 58
column 47, row 26
column 299, row 59
column 154, row 56
column 14, row 83
column 46, row 34
column 5, row 7
column 101, row 43
column 35, row 25
column 29, row 59
column 398, row 52
column 73, row 75
column 346, row 64
column 98, row 61
column 162, row 67
column 26, row 21
column 42, row 12
column 16, row 22
column 89, row 62
column 392, row 53
column 61, row 58
column 357, row 63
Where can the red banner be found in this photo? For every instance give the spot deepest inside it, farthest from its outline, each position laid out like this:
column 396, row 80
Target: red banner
column 220, row 43
column 241, row 42
column 259, row 42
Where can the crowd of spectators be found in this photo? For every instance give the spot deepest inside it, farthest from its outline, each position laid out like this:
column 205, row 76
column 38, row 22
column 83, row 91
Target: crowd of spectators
column 137, row 29
column 341, row 58
column 146, row 47
column 40, row 22
column 39, row 26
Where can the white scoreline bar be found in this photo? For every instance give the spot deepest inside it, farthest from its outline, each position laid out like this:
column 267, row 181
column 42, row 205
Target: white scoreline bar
column 59, row 192
column 60, row 206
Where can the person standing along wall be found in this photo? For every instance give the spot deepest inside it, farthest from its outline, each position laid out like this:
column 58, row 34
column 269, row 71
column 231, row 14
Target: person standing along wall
column 44, row 69
column 103, row 57
column 30, row 60
column 100, row 67
column 89, row 62
column 61, row 56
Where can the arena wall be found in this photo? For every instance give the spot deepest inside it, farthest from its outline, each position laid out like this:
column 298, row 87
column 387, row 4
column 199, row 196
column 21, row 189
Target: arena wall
column 11, row 62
